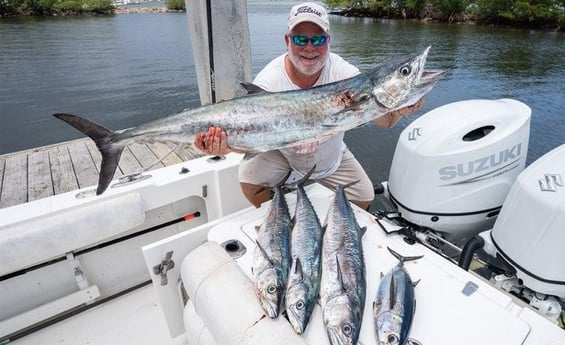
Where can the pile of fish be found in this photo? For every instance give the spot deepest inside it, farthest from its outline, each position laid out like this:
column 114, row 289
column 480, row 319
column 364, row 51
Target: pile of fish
column 289, row 118
column 297, row 260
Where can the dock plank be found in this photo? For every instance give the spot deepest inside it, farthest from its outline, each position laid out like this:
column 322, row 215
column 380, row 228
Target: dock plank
column 128, row 163
column 166, row 153
column 64, row 178
column 83, row 164
column 145, row 156
column 50, row 170
column 39, row 176
column 14, row 186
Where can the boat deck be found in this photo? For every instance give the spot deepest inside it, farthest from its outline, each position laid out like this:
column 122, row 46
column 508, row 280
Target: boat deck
column 50, row 170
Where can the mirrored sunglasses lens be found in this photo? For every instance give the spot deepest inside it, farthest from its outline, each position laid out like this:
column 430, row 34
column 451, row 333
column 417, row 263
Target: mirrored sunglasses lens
column 318, row 40
column 300, row 40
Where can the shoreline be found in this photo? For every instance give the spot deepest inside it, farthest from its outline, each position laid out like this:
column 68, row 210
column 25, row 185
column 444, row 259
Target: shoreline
column 153, row 9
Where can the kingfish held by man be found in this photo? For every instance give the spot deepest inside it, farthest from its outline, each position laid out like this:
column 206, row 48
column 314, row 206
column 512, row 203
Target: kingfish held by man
column 395, row 304
column 343, row 284
column 267, row 121
column 306, row 251
column 271, row 258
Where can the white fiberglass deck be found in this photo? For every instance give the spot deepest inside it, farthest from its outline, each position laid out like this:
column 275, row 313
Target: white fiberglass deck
column 134, row 318
column 444, row 313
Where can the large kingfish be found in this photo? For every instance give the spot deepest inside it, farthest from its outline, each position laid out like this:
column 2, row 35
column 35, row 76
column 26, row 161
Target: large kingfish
column 343, row 284
column 266, row 121
column 271, row 258
column 394, row 307
column 306, row 250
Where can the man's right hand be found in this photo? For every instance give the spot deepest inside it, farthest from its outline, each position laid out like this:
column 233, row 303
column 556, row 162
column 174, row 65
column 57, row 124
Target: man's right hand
column 214, row 142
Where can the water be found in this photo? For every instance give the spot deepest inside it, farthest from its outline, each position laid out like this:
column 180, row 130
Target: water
column 125, row 70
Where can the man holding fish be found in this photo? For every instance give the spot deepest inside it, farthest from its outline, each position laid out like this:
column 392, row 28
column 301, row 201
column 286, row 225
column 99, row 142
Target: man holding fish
column 307, row 63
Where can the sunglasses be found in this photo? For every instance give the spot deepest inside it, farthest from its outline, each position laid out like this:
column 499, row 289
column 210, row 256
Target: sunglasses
column 302, row 40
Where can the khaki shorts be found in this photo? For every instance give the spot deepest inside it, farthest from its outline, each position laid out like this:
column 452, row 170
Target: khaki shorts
column 268, row 168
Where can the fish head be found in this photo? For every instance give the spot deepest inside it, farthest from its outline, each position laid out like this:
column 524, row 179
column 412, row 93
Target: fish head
column 269, row 289
column 388, row 327
column 342, row 321
column 298, row 307
column 402, row 83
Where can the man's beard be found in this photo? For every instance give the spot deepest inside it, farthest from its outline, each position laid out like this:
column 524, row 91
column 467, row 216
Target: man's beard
column 308, row 69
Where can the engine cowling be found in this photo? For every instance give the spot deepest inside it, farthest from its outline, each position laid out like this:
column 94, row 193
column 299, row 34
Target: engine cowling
column 453, row 166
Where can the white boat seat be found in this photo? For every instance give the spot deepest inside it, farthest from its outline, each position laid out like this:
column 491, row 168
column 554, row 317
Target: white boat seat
column 24, row 244
column 232, row 315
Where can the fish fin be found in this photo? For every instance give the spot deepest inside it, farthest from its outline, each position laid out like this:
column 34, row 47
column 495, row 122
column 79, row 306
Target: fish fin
column 392, row 293
column 264, row 253
column 416, row 282
column 253, row 89
column 283, row 180
column 382, row 275
column 403, row 259
column 257, row 227
column 110, row 151
column 306, row 177
column 250, row 154
column 339, row 274
column 350, row 184
column 363, row 230
column 298, row 268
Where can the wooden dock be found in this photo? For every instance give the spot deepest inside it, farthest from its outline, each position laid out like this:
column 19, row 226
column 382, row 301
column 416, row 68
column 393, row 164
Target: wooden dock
column 50, row 170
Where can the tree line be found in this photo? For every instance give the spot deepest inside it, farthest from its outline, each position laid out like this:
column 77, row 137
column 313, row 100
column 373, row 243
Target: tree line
column 66, row 7
column 536, row 14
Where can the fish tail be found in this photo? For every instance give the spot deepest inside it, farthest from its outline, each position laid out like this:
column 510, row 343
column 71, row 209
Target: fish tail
column 403, row 259
column 281, row 183
column 350, row 184
column 111, row 152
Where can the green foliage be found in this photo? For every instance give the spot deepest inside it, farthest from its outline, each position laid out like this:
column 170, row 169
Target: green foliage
column 451, row 6
column 543, row 14
column 42, row 7
column 175, row 4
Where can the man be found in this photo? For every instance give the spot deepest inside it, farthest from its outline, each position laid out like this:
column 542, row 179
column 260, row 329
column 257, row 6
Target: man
column 307, row 63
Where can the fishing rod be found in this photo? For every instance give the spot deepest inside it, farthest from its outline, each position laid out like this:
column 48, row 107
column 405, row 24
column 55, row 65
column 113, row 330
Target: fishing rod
column 211, row 50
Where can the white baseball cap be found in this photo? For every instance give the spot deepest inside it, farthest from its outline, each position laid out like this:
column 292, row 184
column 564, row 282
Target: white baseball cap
column 309, row 12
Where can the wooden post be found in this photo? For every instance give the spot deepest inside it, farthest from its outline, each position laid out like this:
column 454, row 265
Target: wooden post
column 219, row 33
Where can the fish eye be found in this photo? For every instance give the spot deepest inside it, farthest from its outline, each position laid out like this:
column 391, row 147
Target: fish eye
column 271, row 289
column 405, row 70
column 300, row 305
column 392, row 339
column 347, row 329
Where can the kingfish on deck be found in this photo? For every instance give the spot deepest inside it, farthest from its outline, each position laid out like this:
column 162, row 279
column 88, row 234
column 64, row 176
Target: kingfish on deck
column 266, row 121
column 306, row 253
column 271, row 258
column 343, row 284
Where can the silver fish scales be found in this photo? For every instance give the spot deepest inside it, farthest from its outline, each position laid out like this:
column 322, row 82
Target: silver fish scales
column 395, row 304
column 306, row 251
column 271, row 258
column 289, row 118
column 343, row 284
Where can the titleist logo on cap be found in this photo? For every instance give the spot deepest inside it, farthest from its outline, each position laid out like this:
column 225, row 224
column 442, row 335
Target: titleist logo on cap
column 307, row 9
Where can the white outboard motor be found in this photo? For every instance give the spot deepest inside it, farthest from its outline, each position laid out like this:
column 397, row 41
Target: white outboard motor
column 454, row 166
column 529, row 233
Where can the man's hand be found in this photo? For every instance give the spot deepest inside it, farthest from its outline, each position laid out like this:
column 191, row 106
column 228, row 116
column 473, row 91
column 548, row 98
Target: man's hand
column 390, row 119
column 214, row 142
